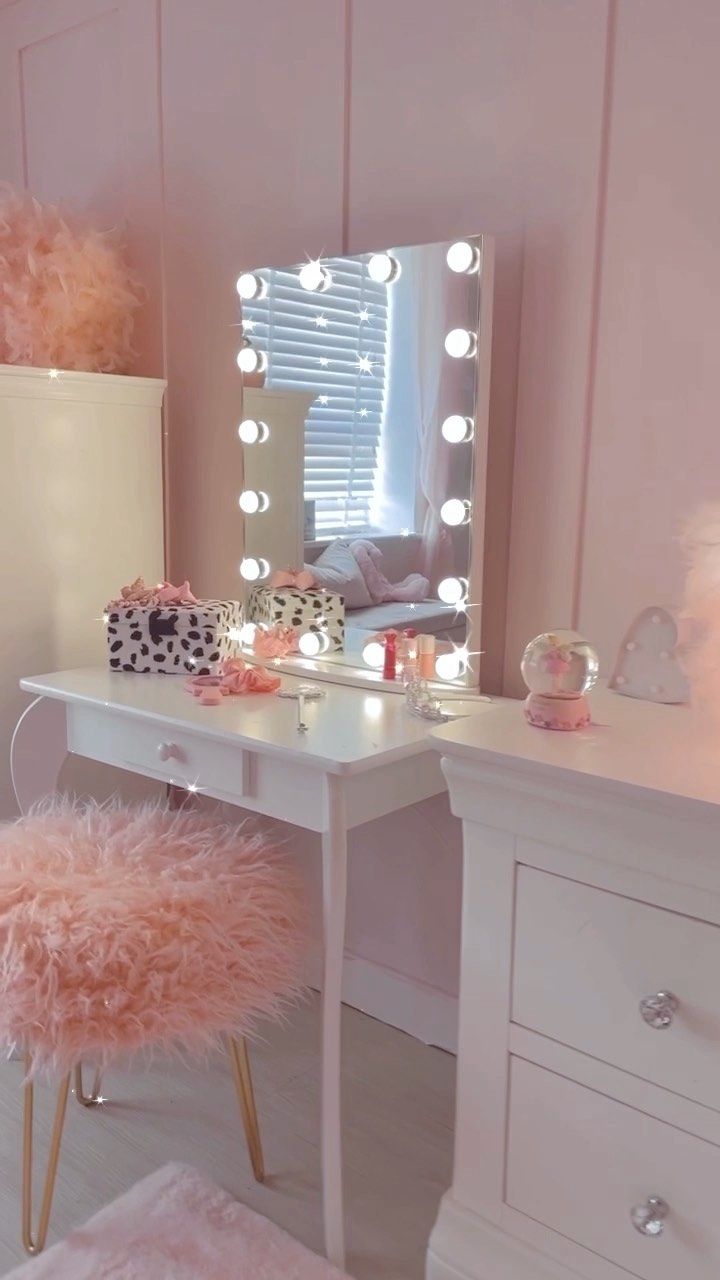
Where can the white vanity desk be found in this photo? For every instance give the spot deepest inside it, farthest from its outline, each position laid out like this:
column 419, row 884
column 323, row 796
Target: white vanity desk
column 363, row 756
column 588, row 1114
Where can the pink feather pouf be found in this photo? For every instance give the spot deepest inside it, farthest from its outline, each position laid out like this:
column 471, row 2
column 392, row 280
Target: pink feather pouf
column 67, row 296
column 129, row 928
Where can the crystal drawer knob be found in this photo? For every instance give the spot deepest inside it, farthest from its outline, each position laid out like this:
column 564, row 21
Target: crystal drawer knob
column 659, row 1010
column 166, row 750
column 649, row 1218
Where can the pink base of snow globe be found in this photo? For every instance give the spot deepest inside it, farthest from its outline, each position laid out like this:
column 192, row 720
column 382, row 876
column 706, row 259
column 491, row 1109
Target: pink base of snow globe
column 566, row 714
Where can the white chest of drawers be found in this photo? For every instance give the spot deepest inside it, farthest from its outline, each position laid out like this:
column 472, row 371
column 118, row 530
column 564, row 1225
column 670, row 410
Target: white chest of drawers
column 588, row 1111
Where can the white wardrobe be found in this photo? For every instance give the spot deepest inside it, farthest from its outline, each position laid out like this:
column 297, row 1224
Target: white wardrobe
column 81, row 513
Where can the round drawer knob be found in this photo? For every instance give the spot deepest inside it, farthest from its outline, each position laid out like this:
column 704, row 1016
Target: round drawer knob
column 166, row 750
column 659, row 1010
column 649, row 1218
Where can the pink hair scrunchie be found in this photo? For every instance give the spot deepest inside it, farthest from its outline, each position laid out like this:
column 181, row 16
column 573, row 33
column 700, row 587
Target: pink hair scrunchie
column 234, row 677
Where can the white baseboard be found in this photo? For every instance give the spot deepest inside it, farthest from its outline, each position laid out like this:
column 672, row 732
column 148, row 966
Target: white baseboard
column 414, row 1007
column 464, row 1246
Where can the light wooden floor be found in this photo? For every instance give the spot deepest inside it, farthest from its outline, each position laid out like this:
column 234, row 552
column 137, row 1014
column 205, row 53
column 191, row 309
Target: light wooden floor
column 398, row 1115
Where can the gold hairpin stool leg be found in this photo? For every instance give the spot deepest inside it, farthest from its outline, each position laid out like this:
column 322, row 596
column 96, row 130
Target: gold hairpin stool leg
column 93, row 1099
column 36, row 1245
column 243, row 1084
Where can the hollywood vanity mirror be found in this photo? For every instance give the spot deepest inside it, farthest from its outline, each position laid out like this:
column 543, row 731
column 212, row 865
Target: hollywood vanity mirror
column 364, row 437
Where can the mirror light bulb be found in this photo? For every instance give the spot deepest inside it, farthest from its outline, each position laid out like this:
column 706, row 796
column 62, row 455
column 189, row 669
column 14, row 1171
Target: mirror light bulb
column 247, row 634
column 253, row 500
column 249, row 285
column 461, row 344
column 452, row 590
column 374, row 654
column 455, row 511
column 312, row 642
column 383, row 268
column 254, row 570
column 252, row 432
column 456, row 429
column 315, row 277
column 448, row 666
column 463, row 257
column 251, row 361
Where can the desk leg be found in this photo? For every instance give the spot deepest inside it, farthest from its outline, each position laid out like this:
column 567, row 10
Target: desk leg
column 37, row 754
column 38, row 751
column 334, row 849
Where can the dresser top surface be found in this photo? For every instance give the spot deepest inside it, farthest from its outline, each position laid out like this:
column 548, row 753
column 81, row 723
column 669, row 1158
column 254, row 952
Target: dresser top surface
column 349, row 730
column 631, row 745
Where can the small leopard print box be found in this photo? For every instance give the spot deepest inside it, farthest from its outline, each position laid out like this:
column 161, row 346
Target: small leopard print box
column 173, row 639
column 314, row 610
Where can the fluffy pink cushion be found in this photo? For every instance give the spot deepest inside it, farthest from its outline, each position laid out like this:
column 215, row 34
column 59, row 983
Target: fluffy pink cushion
column 125, row 928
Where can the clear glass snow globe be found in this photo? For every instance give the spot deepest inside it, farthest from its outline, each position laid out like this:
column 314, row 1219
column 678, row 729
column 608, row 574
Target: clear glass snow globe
column 559, row 664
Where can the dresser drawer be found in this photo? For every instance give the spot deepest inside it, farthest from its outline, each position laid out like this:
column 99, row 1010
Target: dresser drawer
column 580, row 1163
column 584, row 961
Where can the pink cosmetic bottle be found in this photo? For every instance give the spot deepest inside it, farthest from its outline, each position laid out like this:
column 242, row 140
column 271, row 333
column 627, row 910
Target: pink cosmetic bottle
column 426, row 657
column 389, row 671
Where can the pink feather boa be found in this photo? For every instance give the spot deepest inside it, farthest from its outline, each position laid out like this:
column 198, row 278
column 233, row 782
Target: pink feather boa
column 67, row 298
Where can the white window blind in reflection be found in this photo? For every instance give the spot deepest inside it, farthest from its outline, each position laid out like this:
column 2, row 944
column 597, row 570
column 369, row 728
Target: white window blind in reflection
column 324, row 342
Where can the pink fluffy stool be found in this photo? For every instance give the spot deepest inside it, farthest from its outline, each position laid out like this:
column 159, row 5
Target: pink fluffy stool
column 126, row 929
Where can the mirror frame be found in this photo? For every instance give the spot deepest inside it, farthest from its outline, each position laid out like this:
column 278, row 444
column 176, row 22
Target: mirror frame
column 470, row 680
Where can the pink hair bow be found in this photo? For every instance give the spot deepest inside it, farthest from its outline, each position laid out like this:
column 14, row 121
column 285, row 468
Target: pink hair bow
column 234, row 677
column 302, row 579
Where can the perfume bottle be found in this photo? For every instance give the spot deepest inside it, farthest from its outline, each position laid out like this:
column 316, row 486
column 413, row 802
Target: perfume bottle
column 390, row 662
column 410, row 655
column 426, row 660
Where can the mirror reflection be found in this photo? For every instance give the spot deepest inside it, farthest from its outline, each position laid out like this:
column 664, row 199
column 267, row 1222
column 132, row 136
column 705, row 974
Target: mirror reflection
column 362, row 413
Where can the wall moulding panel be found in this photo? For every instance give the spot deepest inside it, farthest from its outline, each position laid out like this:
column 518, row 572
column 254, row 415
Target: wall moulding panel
column 546, row 124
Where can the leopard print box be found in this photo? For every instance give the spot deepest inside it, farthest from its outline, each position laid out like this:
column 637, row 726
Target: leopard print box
column 174, row 639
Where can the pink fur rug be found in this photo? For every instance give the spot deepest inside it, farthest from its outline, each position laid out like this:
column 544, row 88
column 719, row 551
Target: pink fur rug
column 177, row 1225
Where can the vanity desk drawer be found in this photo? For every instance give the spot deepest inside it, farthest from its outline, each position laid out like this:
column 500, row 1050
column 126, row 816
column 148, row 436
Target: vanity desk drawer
column 589, row 1168
column 146, row 746
column 631, row 984
column 265, row 784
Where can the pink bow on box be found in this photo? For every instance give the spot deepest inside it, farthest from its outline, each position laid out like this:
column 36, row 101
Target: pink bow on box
column 168, row 594
column 235, row 677
column 138, row 593
column 301, row 579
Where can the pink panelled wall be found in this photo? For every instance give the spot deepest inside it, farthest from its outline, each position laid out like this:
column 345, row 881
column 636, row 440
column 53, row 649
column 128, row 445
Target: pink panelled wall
column 578, row 132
